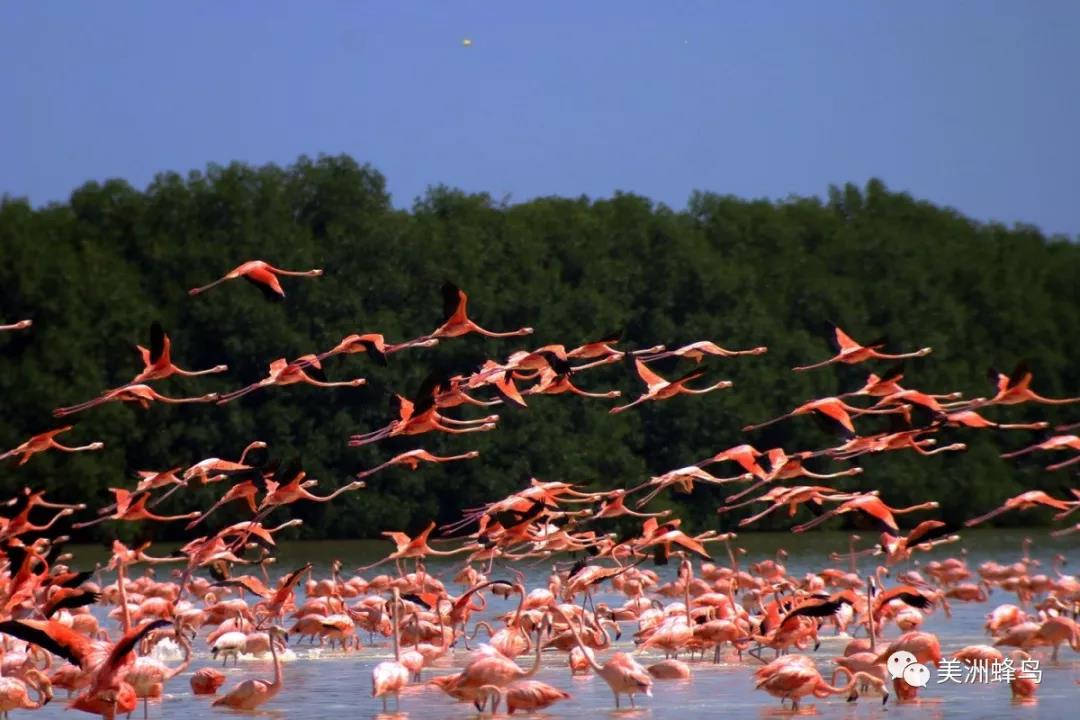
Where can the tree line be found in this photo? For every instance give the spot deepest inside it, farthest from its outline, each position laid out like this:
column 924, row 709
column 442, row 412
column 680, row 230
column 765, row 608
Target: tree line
column 96, row 271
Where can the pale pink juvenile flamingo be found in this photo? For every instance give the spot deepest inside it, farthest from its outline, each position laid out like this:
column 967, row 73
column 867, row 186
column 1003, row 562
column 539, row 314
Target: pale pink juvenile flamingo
column 250, row 694
column 47, row 441
column 261, row 274
column 850, row 352
column 660, row 389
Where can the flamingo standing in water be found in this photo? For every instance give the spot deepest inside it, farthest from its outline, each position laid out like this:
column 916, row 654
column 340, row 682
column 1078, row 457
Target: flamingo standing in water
column 388, row 678
column 456, row 320
column 13, row 691
column 528, row 695
column 47, row 441
column 623, row 674
column 660, row 389
column 794, row 681
column 261, row 274
column 850, row 352
column 250, row 694
column 21, row 325
column 142, row 395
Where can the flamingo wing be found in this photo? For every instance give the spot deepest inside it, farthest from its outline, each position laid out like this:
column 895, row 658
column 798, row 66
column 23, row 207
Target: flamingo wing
column 454, row 303
column 648, row 376
column 53, row 636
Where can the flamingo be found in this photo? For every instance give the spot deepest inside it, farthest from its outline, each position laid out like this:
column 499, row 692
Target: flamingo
column 131, row 507
column 47, row 441
column 850, row 352
column 1015, row 389
column 527, row 695
column 871, row 505
column 412, row 459
column 456, row 321
column 972, row 419
column 794, row 681
column 831, row 407
column 21, row 325
column 1057, row 442
column 250, row 694
column 375, row 345
column 206, row 681
column 305, row 369
column 623, row 674
column 157, row 359
column 1023, row 501
column 140, row 394
column 13, row 691
column 697, row 351
column 262, row 275
column 660, row 389
column 388, row 678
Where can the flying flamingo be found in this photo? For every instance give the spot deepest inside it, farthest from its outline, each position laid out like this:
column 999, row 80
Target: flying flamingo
column 417, row 547
column 306, row 369
column 243, row 490
column 21, row 325
column 698, row 351
column 683, row 479
column 456, row 321
column 972, row 419
column 131, row 507
column 660, row 389
column 869, row 504
column 412, row 459
column 250, row 694
column 157, row 360
column 555, row 383
column 262, row 275
column 47, row 441
column 850, row 352
column 1057, row 442
column 1015, row 389
column 389, row 677
column 143, row 395
column 374, row 345
column 831, row 407
column 1023, row 501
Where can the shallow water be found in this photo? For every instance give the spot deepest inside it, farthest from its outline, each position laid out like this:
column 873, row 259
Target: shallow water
column 321, row 684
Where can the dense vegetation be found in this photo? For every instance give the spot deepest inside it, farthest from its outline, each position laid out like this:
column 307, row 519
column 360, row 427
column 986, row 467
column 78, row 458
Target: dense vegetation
column 94, row 272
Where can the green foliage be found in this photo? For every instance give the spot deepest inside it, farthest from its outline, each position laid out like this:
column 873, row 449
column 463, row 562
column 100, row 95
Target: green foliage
column 93, row 273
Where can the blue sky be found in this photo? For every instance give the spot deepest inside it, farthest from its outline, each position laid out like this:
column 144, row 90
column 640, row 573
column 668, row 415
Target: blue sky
column 975, row 105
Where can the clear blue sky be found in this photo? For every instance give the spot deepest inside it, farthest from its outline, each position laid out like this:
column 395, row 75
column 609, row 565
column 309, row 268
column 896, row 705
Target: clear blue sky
column 970, row 104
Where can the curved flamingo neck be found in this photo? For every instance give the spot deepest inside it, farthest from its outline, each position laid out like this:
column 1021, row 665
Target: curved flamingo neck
column 597, row 667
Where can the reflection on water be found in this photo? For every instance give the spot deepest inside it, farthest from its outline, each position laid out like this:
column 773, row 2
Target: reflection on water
column 324, row 684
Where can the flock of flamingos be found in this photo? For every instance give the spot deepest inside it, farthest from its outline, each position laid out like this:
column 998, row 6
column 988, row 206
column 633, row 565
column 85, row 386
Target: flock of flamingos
column 51, row 639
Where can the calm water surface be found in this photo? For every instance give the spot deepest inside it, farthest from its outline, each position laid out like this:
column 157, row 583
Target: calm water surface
column 320, row 684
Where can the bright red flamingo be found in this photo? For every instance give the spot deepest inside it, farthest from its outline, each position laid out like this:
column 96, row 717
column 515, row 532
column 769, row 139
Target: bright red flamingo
column 375, row 345
column 142, row 395
column 21, row 325
column 157, row 359
column 262, row 275
column 47, row 441
column 660, row 389
column 831, row 407
column 872, row 506
column 1023, row 501
column 412, row 459
column 1015, row 389
column 131, row 507
column 698, row 351
column 306, row 370
column 850, row 352
column 456, row 320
